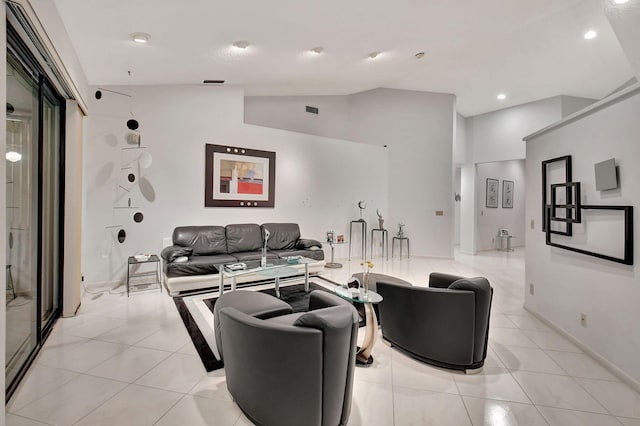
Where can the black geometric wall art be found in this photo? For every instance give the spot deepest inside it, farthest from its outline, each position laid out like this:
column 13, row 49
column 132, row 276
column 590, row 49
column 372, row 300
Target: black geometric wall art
column 131, row 177
column 122, row 236
column 565, row 228
column 138, row 217
column 568, row 213
column 626, row 259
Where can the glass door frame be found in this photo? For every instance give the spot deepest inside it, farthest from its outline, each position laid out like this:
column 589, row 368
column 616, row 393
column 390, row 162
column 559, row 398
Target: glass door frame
column 21, row 52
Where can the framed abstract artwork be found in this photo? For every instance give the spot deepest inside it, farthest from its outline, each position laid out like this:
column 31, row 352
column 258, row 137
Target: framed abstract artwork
column 492, row 193
column 239, row 177
column 507, row 194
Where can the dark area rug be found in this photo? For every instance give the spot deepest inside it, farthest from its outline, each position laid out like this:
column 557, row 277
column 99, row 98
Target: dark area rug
column 294, row 295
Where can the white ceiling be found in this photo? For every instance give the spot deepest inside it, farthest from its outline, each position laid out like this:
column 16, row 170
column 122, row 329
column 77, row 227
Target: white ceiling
column 528, row 49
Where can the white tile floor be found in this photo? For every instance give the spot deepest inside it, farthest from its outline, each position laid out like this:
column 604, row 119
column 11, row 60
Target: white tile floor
column 130, row 362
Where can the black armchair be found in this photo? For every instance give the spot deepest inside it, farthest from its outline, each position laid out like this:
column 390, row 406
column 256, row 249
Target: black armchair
column 446, row 324
column 292, row 369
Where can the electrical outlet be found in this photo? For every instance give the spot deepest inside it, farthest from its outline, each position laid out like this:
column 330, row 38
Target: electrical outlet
column 583, row 319
column 531, row 289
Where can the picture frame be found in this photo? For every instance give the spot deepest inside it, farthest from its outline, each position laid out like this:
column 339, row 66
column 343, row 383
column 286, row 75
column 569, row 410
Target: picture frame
column 492, row 193
column 239, row 177
column 507, row 194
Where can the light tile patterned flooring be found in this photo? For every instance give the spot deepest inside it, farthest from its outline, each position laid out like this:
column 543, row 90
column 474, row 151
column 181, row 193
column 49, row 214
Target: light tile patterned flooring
column 129, row 361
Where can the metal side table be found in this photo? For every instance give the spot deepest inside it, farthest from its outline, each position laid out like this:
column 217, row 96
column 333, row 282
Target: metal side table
column 400, row 240
column 385, row 241
column 363, row 228
column 333, row 264
column 146, row 284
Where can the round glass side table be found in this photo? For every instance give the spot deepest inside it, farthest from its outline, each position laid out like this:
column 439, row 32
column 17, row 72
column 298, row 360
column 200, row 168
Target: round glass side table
column 368, row 299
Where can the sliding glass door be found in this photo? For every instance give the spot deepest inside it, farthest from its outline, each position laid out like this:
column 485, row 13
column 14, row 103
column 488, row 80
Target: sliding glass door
column 34, row 200
column 22, row 216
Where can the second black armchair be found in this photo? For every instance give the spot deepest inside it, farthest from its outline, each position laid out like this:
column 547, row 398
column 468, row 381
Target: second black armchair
column 446, row 324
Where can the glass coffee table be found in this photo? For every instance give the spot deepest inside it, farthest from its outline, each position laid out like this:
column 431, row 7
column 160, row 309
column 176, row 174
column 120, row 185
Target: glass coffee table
column 368, row 299
column 274, row 269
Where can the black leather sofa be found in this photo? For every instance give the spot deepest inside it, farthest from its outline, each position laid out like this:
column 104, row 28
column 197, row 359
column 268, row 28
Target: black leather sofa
column 191, row 262
column 294, row 369
column 446, row 324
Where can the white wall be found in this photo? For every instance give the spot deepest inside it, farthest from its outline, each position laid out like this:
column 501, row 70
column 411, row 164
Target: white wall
column 571, row 104
column 73, row 210
column 468, row 209
column 418, row 129
column 318, row 180
column 567, row 283
column 289, row 113
column 460, row 141
column 497, row 135
column 489, row 220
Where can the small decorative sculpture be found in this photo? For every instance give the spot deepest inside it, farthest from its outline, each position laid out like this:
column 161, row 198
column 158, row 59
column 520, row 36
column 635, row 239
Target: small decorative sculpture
column 361, row 205
column 400, row 233
column 380, row 220
column 263, row 259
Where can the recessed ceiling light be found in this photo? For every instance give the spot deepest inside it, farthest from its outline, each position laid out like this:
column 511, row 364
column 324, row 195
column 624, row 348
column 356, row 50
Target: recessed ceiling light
column 589, row 35
column 373, row 55
column 419, row 55
column 242, row 44
column 317, row 50
column 141, row 38
column 620, row 1
column 501, row 96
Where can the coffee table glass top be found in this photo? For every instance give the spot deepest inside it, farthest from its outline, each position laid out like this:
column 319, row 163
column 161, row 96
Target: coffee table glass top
column 273, row 268
column 359, row 297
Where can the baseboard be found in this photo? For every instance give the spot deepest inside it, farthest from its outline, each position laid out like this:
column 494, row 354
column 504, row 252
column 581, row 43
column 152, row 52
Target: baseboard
column 71, row 312
column 614, row 369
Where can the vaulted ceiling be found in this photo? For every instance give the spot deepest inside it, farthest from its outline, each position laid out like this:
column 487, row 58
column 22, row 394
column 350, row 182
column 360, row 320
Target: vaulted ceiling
column 527, row 49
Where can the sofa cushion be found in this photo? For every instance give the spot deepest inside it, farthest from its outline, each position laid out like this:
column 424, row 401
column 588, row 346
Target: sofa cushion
column 283, row 235
column 198, row 265
column 254, row 303
column 205, row 240
column 253, row 255
column 306, row 243
column 243, row 237
column 311, row 254
column 171, row 253
column 289, row 319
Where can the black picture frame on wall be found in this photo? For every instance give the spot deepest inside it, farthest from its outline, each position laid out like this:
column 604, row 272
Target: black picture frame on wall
column 507, row 194
column 239, row 177
column 492, row 193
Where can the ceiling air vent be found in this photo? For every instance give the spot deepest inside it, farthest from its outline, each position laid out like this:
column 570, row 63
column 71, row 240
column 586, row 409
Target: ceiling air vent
column 213, row 81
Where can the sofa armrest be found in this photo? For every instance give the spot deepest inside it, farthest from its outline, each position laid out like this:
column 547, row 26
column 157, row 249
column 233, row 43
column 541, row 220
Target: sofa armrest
column 304, row 244
column 171, row 253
